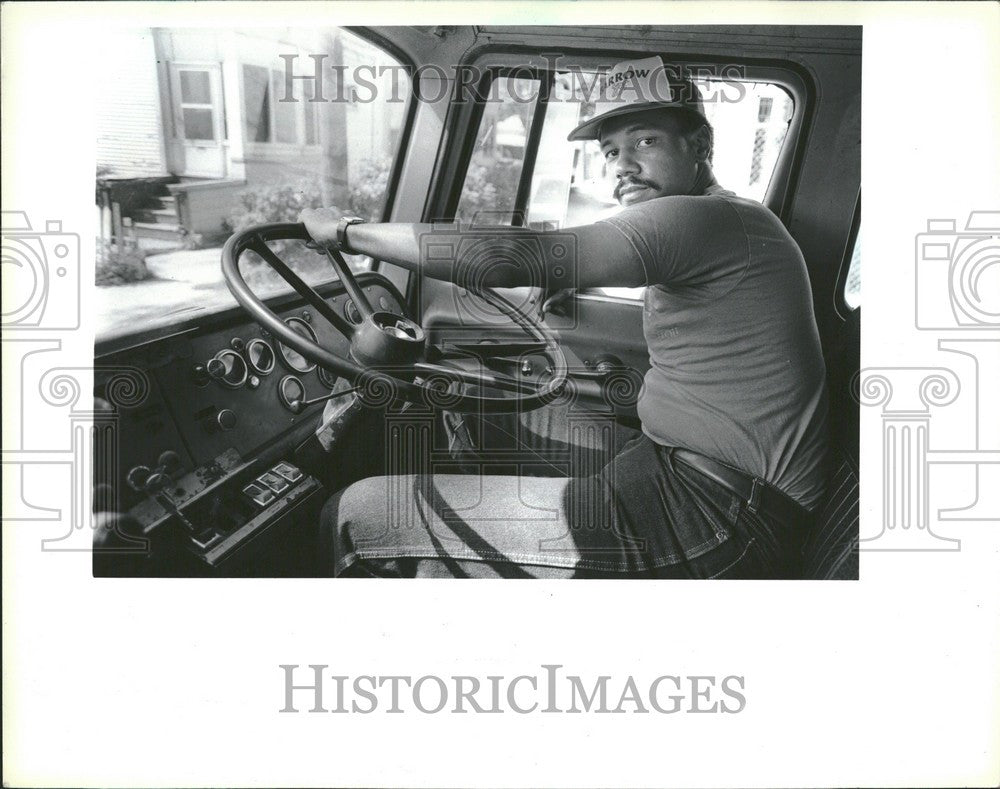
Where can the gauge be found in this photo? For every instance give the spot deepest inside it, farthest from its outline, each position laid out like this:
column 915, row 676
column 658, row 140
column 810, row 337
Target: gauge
column 233, row 372
column 295, row 360
column 290, row 390
column 260, row 356
column 351, row 312
column 328, row 377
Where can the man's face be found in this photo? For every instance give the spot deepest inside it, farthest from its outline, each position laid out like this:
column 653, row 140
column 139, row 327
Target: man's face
column 649, row 156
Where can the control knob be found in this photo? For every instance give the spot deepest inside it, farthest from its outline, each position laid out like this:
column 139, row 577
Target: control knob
column 222, row 421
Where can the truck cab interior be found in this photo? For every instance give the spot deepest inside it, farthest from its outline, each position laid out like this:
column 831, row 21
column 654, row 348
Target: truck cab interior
column 218, row 445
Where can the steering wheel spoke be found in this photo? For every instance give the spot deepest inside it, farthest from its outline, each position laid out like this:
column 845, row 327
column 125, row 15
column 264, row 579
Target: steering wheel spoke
column 350, row 284
column 317, row 302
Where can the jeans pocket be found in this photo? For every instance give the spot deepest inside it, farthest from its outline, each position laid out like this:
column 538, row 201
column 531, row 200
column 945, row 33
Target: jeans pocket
column 737, row 567
column 765, row 552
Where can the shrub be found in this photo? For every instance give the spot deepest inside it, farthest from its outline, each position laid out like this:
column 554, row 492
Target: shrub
column 284, row 202
column 117, row 265
column 366, row 198
column 266, row 204
column 490, row 188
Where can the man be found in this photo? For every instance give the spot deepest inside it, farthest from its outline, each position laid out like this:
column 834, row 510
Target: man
column 731, row 460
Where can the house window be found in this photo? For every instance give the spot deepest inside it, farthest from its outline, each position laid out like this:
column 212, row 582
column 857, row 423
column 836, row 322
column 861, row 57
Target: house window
column 266, row 118
column 256, row 103
column 284, row 112
column 197, row 112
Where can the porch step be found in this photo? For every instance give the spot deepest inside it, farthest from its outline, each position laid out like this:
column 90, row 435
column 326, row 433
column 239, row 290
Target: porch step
column 164, row 215
column 165, row 231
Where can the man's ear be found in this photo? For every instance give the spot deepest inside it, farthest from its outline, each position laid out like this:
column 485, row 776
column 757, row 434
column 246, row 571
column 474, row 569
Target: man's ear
column 702, row 142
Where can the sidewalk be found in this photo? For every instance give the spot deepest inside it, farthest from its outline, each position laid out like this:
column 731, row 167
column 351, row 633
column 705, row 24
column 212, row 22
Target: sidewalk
column 185, row 281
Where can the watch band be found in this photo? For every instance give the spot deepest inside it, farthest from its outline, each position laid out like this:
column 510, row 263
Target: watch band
column 346, row 222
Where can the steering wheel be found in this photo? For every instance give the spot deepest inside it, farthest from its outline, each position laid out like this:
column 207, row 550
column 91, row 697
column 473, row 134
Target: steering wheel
column 390, row 358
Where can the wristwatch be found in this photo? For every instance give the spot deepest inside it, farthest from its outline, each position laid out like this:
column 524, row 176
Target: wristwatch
column 346, row 222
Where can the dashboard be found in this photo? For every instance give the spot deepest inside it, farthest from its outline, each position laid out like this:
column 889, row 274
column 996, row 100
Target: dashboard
column 220, row 386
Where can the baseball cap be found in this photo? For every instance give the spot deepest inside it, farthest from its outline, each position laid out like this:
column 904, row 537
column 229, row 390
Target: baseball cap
column 635, row 86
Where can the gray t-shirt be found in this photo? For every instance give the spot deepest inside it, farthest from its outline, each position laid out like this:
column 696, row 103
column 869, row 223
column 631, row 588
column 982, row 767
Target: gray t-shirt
column 737, row 372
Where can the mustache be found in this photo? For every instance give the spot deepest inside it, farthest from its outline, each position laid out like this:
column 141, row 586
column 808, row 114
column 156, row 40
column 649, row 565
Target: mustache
column 631, row 182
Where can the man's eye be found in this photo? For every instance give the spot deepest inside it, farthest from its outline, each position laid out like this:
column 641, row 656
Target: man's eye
column 611, row 154
column 645, row 142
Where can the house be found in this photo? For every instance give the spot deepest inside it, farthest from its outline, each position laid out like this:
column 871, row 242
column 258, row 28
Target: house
column 188, row 119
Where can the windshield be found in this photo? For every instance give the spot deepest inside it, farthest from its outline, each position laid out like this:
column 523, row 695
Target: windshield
column 203, row 133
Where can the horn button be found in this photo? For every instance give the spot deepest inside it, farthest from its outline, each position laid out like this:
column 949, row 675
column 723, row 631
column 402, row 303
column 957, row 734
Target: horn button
column 385, row 338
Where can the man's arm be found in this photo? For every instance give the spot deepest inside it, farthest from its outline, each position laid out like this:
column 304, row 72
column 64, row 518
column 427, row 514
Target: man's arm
column 603, row 257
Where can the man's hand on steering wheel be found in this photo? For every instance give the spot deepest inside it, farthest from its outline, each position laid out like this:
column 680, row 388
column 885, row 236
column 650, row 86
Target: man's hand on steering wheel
column 321, row 225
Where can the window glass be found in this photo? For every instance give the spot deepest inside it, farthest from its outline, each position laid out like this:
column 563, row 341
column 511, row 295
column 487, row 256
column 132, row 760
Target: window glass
column 285, row 112
column 852, row 287
column 256, row 112
column 490, row 187
column 197, row 124
column 161, row 221
column 195, row 87
column 571, row 184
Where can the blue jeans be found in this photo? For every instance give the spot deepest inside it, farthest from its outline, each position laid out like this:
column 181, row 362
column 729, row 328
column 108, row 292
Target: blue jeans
column 611, row 504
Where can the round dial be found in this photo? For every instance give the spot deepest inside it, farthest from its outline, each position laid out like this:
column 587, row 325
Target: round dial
column 351, row 312
column 295, row 360
column 327, row 377
column 233, row 373
column 260, row 356
column 290, row 389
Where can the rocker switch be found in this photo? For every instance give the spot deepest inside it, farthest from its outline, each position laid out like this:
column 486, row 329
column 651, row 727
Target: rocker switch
column 260, row 495
column 273, row 481
column 288, row 471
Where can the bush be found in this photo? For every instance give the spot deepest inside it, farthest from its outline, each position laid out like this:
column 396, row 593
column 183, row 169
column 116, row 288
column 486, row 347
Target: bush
column 267, row 204
column 118, row 265
column 367, row 196
column 491, row 188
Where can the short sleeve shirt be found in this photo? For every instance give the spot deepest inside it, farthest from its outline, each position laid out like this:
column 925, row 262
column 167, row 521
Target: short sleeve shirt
column 737, row 371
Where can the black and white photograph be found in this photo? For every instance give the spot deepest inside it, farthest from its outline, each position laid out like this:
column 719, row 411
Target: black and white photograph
column 312, row 308
column 479, row 302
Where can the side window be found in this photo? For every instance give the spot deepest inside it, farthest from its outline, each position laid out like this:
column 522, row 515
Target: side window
column 852, row 286
column 571, row 184
column 491, row 182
